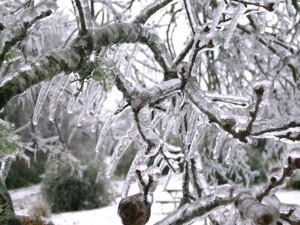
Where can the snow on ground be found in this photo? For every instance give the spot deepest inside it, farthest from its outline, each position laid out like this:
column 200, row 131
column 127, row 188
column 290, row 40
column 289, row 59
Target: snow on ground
column 108, row 215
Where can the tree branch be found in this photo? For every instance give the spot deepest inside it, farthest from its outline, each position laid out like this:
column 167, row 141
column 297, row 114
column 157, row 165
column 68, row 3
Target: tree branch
column 149, row 10
column 200, row 207
column 251, row 209
column 71, row 58
column 20, row 34
column 293, row 163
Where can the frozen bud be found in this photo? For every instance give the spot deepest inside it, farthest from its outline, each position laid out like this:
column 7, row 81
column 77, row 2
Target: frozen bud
column 182, row 70
column 263, row 87
column 276, row 174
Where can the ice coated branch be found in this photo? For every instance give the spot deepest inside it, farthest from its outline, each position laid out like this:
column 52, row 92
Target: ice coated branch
column 251, row 209
column 140, row 108
column 20, row 33
column 71, row 58
column 199, row 208
column 275, row 181
column 149, row 10
column 81, row 16
column 289, row 212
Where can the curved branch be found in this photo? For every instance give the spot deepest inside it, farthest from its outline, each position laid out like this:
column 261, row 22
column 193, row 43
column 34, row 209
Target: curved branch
column 149, row 10
column 199, row 208
column 70, row 59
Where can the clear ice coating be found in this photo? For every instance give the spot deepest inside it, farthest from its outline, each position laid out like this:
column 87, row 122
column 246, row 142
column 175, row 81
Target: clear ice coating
column 55, row 98
column 217, row 15
column 238, row 13
column 119, row 150
column 139, row 159
column 107, row 126
column 40, row 101
column 201, row 128
column 219, row 144
column 146, row 130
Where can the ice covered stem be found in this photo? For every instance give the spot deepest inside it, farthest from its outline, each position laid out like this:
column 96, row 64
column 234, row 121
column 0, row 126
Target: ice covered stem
column 288, row 171
column 21, row 33
column 289, row 212
column 141, row 110
column 251, row 209
column 188, row 212
column 71, row 58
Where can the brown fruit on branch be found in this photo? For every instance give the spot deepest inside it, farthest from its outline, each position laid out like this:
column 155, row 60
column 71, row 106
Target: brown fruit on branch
column 134, row 210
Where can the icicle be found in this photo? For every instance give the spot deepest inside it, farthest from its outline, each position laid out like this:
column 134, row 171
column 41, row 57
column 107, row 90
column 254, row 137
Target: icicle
column 261, row 21
column 97, row 112
column 40, row 101
column 236, row 146
column 133, row 54
column 73, row 99
column 169, row 176
column 119, row 150
column 217, row 15
column 106, row 127
column 96, row 93
column 179, row 119
column 200, row 176
column 178, row 104
column 219, row 144
column 191, row 131
column 239, row 11
column 229, row 155
column 139, row 159
column 71, row 104
column 55, row 98
column 201, row 129
column 91, row 95
column 104, row 131
column 168, row 129
column 85, row 102
column 290, row 8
